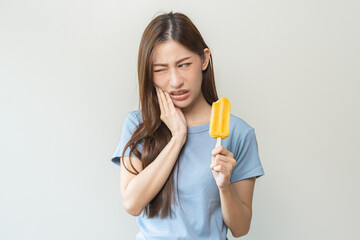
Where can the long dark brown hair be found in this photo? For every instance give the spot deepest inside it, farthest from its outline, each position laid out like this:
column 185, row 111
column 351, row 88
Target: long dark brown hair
column 155, row 134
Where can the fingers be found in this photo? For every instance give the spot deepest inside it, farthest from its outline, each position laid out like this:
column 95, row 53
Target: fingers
column 222, row 160
column 221, row 150
column 165, row 100
column 169, row 101
column 221, row 167
column 172, row 116
column 160, row 100
column 216, row 160
column 181, row 114
column 217, row 168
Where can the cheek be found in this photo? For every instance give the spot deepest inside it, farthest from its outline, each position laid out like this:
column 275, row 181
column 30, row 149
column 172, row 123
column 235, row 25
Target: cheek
column 196, row 78
column 159, row 81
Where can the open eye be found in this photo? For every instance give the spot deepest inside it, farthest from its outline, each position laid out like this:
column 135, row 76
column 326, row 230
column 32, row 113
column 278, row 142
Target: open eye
column 185, row 64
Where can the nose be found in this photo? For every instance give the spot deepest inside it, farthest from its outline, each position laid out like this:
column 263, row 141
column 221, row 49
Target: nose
column 176, row 80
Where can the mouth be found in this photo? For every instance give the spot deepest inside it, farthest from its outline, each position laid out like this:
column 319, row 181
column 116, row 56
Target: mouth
column 181, row 95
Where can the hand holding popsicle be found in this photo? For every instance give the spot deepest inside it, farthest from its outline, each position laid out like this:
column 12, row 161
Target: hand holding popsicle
column 222, row 165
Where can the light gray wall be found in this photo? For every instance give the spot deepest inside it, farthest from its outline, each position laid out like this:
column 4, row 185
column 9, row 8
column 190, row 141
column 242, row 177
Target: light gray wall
column 291, row 69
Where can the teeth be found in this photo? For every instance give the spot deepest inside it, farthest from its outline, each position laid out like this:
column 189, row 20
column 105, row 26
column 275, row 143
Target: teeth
column 179, row 93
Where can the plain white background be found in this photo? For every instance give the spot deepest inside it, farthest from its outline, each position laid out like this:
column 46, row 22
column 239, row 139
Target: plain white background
column 68, row 77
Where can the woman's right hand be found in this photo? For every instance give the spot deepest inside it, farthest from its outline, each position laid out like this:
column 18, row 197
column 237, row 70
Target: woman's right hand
column 171, row 115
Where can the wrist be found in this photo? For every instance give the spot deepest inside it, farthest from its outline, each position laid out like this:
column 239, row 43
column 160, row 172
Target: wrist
column 226, row 188
column 181, row 138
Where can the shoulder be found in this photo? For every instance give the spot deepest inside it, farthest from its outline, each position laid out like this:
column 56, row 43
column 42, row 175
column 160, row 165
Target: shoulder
column 134, row 117
column 240, row 132
column 242, row 136
column 132, row 121
column 238, row 126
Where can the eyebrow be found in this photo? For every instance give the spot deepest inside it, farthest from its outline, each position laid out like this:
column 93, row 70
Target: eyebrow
column 165, row 65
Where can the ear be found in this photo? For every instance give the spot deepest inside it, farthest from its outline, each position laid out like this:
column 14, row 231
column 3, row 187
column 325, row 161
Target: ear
column 206, row 59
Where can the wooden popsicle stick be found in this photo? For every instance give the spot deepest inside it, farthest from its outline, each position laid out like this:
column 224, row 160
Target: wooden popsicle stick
column 218, row 141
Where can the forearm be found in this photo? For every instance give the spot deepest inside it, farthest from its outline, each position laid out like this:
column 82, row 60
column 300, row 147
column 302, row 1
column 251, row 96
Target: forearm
column 236, row 215
column 144, row 187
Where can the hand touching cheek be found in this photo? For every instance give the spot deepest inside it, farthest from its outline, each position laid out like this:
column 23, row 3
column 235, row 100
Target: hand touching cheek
column 222, row 165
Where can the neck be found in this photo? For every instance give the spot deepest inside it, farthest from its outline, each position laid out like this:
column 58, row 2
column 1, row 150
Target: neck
column 197, row 113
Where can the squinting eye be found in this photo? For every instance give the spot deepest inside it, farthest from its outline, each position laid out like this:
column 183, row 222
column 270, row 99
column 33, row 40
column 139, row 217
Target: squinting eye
column 159, row 70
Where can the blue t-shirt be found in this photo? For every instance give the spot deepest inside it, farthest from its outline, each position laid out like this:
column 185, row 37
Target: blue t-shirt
column 200, row 216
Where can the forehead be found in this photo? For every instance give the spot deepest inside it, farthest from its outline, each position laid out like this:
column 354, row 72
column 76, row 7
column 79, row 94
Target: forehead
column 170, row 51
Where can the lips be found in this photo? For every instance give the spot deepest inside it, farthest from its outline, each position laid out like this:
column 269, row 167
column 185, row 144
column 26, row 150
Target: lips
column 179, row 92
column 180, row 97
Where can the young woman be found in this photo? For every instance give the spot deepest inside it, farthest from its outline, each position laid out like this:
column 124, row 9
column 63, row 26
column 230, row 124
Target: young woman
column 170, row 146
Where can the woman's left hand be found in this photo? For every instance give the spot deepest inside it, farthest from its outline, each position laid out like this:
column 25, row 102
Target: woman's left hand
column 222, row 164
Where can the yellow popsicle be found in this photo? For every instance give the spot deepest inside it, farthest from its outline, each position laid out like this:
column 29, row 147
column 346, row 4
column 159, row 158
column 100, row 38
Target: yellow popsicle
column 220, row 120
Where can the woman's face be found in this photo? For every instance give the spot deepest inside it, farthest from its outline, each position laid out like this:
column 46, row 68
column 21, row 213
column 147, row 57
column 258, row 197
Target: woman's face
column 175, row 68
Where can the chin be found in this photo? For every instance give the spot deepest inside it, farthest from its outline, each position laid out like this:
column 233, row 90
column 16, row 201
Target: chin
column 181, row 104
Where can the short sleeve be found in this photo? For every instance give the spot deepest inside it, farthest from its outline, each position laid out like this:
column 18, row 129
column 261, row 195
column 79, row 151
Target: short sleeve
column 130, row 124
column 247, row 158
